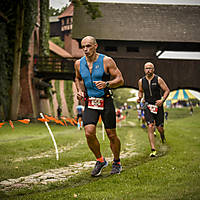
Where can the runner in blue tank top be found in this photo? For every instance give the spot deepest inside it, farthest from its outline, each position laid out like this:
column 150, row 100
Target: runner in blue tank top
column 97, row 74
column 93, row 83
column 152, row 85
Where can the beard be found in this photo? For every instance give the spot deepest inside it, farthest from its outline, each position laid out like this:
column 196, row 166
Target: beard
column 149, row 75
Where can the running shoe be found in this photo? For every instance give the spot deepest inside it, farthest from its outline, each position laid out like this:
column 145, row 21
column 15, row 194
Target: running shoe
column 143, row 126
column 153, row 154
column 116, row 168
column 98, row 167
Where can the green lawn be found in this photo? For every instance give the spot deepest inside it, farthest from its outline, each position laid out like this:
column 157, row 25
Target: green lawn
column 174, row 174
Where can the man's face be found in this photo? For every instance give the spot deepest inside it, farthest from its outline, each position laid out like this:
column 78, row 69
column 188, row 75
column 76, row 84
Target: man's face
column 88, row 46
column 149, row 70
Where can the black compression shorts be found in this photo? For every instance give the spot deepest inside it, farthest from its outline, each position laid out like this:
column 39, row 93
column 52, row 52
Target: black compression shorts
column 159, row 117
column 108, row 115
column 79, row 115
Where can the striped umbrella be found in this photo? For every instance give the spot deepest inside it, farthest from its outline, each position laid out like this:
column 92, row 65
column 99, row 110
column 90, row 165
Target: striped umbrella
column 182, row 94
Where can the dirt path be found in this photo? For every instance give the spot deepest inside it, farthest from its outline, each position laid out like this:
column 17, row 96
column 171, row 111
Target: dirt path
column 56, row 175
column 60, row 174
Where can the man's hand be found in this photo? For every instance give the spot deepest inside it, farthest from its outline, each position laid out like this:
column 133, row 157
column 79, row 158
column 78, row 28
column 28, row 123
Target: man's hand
column 100, row 84
column 159, row 102
column 80, row 95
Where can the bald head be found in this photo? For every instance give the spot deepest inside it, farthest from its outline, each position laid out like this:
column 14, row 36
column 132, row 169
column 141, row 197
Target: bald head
column 149, row 64
column 89, row 38
column 149, row 69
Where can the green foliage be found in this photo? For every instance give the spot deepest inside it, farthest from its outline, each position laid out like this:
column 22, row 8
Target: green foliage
column 57, row 41
column 44, row 28
column 7, row 35
column 121, row 95
column 92, row 9
column 5, row 72
column 30, row 16
column 57, row 87
column 56, row 12
column 69, row 96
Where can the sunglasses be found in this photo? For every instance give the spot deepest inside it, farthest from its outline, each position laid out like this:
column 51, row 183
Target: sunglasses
column 148, row 68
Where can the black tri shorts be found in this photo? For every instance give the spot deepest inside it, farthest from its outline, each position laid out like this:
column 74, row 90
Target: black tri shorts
column 108, row 115
column 158, row 118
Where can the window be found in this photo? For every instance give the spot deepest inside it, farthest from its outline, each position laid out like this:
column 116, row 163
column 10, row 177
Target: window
column 132, row 49
column 110, row 48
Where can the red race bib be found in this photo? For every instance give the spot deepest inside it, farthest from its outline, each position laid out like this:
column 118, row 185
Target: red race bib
column 153, row 108
column 96, row 103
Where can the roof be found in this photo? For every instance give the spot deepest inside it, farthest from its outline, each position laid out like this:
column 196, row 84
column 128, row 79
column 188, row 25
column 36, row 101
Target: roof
column 140, row 22
column 68, row 12
column 58, row 50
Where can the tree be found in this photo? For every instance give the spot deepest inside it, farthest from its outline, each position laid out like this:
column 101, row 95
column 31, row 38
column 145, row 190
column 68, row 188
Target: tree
column 92, row 9
column 16, row 89
column 54, row 11
column 4, row 69
column 44, row 28
column 17, row 19
column 121, row 95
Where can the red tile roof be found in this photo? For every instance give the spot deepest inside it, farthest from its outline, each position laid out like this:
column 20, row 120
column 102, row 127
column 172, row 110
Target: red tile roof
column 68, row 12
column 58, row 50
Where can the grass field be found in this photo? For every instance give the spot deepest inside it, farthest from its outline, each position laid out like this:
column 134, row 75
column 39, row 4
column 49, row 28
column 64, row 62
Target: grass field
column 173, row 175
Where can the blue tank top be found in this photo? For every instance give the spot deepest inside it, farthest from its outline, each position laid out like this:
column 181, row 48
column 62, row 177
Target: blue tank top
column 98, row 74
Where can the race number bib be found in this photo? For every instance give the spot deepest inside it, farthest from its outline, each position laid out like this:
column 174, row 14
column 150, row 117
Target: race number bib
column 96, row 103
column 153, row 108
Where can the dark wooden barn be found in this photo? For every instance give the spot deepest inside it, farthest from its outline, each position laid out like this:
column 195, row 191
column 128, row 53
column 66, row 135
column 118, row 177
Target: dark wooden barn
column 135, row 33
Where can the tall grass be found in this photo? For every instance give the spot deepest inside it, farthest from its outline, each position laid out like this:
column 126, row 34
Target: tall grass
column 174, row 174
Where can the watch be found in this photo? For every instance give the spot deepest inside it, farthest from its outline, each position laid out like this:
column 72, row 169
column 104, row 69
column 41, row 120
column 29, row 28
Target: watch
column 107, row 84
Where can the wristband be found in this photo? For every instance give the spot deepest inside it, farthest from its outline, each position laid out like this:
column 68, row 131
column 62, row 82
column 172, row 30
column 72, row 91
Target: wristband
column 163, row 99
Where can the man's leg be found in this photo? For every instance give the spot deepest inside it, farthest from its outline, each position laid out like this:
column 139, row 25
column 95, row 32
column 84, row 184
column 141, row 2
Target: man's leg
column 92, row 141
column 143, row 122
column 151, row 139
column 115, row 146
column 160, row 124
column 162, row 133
column 151, row 135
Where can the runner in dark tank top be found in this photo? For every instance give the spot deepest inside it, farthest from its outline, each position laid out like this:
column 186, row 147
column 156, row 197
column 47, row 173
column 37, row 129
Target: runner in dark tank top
column 151, row 86
column 151, row 90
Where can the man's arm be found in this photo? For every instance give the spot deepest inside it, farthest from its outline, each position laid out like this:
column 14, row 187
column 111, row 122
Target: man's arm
column 165, row 89
column 111, row 68
column 140, row 92
column 78, row 81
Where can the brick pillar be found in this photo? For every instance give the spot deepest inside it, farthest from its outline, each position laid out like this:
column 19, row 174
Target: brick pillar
column 68, row 43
